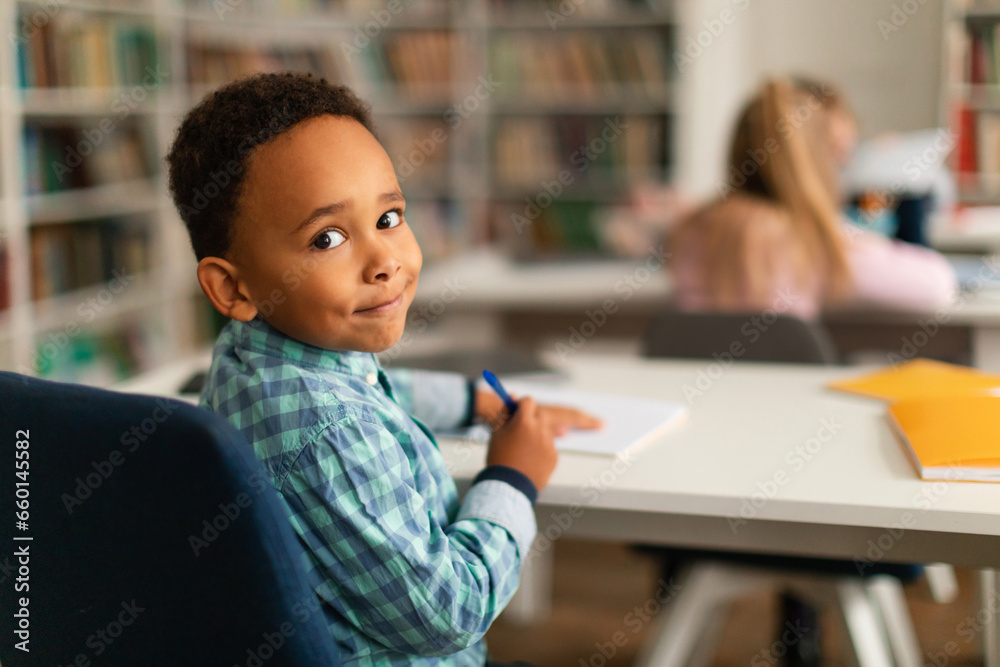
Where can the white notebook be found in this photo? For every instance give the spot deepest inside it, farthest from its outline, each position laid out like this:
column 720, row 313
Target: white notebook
column 628, row 422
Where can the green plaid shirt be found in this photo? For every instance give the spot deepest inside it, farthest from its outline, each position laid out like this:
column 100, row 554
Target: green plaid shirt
column 406, row 574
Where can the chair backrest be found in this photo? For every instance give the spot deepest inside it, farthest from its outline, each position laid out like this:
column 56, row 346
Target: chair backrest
column 155, row 537
column 744, row 336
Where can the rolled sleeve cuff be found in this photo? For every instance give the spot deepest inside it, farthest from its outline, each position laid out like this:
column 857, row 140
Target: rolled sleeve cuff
column 506, row 506
column 440, row 400
column 515, row 478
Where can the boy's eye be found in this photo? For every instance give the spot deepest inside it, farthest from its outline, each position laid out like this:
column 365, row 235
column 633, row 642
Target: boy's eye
column 328, row 239
column 389, row 219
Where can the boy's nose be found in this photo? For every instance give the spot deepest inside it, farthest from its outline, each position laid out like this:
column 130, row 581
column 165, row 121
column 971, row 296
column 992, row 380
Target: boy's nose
column 382, row 264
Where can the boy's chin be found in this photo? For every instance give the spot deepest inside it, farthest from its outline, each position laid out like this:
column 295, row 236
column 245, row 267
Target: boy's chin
column 392, row 341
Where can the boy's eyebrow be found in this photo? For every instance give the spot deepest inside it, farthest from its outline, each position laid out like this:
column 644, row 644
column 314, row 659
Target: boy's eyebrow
column 334, row 209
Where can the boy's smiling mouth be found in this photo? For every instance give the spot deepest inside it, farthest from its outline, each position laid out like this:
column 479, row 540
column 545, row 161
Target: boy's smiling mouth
column 382, row 307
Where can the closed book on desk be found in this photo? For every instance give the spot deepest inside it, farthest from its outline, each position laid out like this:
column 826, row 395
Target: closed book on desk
column 629, row 423
column 920, row 378
column 952, row 437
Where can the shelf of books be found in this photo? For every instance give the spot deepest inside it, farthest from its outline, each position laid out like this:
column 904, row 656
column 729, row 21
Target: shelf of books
column 92, row 266
column 973, row 99
column 583, row 113
column 510, row 122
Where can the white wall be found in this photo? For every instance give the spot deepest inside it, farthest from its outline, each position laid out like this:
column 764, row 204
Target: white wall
column 891, row 78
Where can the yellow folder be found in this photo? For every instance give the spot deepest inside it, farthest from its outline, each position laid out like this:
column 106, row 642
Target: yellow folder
column 951, row 437
column 921, row 378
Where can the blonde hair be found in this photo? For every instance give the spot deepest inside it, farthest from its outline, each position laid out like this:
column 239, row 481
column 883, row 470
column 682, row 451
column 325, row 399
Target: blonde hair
column 783, row 179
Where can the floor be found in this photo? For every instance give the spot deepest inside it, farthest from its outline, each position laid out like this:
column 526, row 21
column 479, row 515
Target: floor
column 605, row 599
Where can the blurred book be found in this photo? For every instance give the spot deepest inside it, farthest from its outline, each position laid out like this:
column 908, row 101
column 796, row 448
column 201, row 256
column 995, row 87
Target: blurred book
column 953, row 438
column 582, row 65
column 65, row 157
column 70, row 256
column 920, row 378
column 87, row 50
column 595, row 152
column 212, row 65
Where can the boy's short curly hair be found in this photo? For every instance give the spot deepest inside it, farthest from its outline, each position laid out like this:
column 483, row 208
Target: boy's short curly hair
column 209, row 156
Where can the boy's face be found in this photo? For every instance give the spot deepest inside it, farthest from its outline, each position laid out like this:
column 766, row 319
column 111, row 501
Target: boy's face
column 320, row 237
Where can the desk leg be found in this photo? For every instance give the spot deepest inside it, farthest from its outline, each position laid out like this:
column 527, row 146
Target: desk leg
column 988, row 595
column 533, row 600
column 986, row 348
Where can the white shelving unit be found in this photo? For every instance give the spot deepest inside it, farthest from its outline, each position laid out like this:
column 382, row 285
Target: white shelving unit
column 960, row 92
column 166, row 303
column 161, row 303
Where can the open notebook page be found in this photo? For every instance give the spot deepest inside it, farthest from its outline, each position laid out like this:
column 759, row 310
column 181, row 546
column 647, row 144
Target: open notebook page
column 628, row 422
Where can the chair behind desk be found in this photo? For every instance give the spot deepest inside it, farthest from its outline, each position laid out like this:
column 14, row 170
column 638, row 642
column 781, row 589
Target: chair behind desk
column 786, row 339
column 156, row 537
column 880, row 631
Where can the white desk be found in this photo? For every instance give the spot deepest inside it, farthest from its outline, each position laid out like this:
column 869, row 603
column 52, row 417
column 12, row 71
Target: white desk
column 972, row 231
column 687, row 487
column 743, row 455
column 684, row 488
column 740, row 456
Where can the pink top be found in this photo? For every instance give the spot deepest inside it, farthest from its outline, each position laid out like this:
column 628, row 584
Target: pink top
column 886, row 273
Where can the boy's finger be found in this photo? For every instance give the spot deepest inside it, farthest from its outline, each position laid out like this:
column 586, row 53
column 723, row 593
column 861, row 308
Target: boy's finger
column 585, row 420
column 527, row 407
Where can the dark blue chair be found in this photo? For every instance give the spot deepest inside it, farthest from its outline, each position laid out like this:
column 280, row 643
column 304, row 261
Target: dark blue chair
column 155, row 538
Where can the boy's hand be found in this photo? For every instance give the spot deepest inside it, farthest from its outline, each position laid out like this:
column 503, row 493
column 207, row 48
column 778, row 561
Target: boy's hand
column 560, row 417
column 525, row 443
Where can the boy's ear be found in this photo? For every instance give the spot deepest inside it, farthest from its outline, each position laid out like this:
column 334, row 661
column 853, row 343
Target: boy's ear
column 219, row 281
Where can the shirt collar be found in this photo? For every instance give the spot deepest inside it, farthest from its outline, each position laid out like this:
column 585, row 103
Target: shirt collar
column 259, row 336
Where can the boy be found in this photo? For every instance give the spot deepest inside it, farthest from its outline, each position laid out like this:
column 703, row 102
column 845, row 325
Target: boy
column 297, row 221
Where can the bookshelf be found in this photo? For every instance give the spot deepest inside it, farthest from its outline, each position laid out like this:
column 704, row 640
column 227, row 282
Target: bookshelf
column 494, row 112
column 99, row 276
column 971, row 102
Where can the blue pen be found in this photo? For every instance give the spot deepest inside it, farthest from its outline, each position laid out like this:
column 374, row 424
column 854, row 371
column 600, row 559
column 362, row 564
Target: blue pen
column 501, row 392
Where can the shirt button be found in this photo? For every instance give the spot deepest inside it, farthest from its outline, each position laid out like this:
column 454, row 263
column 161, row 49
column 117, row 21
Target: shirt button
column 371, row 378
